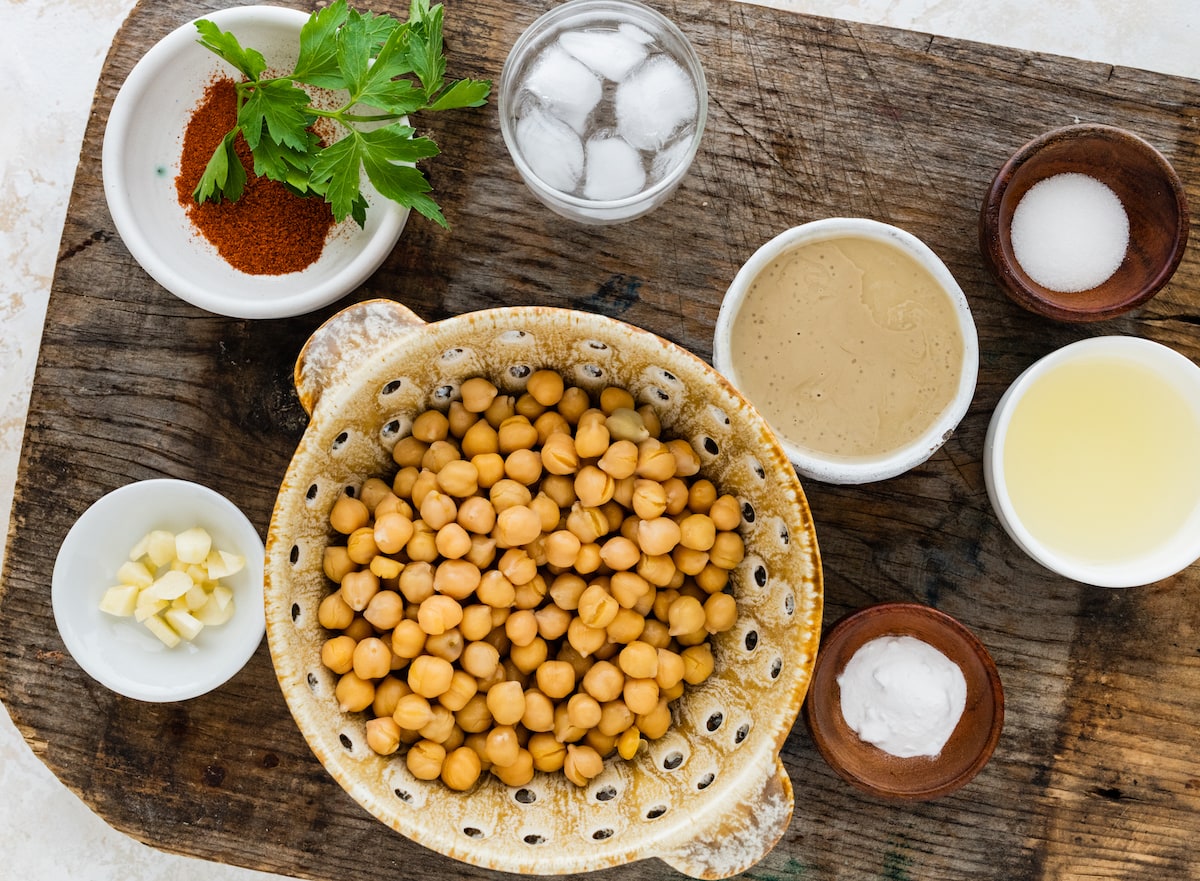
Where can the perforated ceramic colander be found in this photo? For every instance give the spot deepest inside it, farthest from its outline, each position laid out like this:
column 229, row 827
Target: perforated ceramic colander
column 711, row 797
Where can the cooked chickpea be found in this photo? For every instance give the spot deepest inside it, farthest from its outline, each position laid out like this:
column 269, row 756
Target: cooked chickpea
column 480, row 440
column 409, row 451
column 386, row 569
column 619, row 460
column 593, row 487
column 475, row 716
column 439, row 613
column 353, row 693
column 555, row 679
column 412, row 712
column 358, row 588
column 518, row 773
column 649, row 499
column 620, row 553
column 388, row 692
column 655, row 723
column 453, row 542
column 425, row 759
column 430, row 676
column 523, row 466
column 614, row 398
column 517, row 525
column 546, row 387
column 583, row 710
column 597, row 607
column 502, row 745
column 584, row 638
column 337, row 654
column 477, row 394
column 559, row 456
column 336, row 562
column 582, row 764
column 685, row 615
column 476, row 622
column 547, row 753
column 506, row 702
column 408, row 639
column 372, row 659
column 334, row 613
column 447, row 645
column 697, row 532
column 360, row 546
column 638, row 660
column 463, row 687
column 422, row 547
column 440, row 726
column 516, row 433
column 659, row 536
column 640, row 695
column 698, row 663
column 348, row 514
column 712, row 579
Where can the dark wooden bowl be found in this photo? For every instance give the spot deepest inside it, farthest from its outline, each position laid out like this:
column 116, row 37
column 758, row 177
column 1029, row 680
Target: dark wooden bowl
column 1142, row 179
column 870, row 768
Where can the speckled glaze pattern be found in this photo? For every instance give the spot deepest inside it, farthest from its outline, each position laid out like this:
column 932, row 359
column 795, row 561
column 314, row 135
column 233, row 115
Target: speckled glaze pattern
column 711, row 797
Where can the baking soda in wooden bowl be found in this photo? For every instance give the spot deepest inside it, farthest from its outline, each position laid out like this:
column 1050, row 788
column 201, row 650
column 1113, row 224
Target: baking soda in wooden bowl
column 1070, row 232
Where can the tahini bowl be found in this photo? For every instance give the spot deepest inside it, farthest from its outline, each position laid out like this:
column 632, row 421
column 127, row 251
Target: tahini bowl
column 712, row 796
column 870, row 768
column 141, row 159
column 1149, row 189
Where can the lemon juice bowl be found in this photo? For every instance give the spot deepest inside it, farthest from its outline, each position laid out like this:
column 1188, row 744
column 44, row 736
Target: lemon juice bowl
column 1090, row 461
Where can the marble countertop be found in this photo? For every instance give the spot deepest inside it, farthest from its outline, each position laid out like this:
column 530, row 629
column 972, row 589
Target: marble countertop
column 49, row 833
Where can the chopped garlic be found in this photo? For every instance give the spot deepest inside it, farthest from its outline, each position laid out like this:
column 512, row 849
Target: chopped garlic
column 171, row 584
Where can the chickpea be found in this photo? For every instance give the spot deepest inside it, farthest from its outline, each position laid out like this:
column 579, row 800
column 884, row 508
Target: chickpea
column 560, row 489
column 597, row 607
column 588, row 560
column 430, row 426
column 539, row 711
column 404, row 481
column 359, row 629
column 475, row 716
column 583, row 710
column 412, row 712
column 689, row 561
column 384, row 610
column 480, row 439
column 639, row 660
column 649, row 499
column 386, row 569
column 358, row 588
column 425, row 759
column 670, row 668
column 408, row 639
column 337, row 654
column 559, row 456
column 677, row 496
column 712, row 579
column 438, row 509
column 601, row 743
column 655, row 723
column 582, row 764
column 552, row 621
column 460, row 419
column 593, row 487
column 439, row 613
column 518, row 773
column 490, row 467
column 564, row 731
column 655, row 460
column 517, row 566
column 698, row 663
column 336, row 562
column 685, row 615
column 416, row 581
column 422, row 547
column 482, row 553
column 659, row 536
column 527, row 658
column 528, row 406
column 585, row 639
column 440, row 725
column 476, row 622
column 657, row 570
column 517, row 525
column 372, row 659
column 503, row 747
column 546, row 387
column 562, row 547
column 506, row 702
column 521, row 627
column 495, row 589
column 477, row 394
column 573, row 404
column 587, row 523
column 728, row 550
column 334, row 613
column 547, row 753
column 360, row 546
column 615, row 717
column 501, row 408
column 447, row 645
column 614, row 398
column 620, row 460
column 459, row 478
column 348, row 514
column 555, row 679
column 388, row 692
column 353, row 693
column 516, row 433
column 640, row 695
column 620, row 553
column 430, row 676
column 697, row 532
column 383, row 736
column 628, row 742
column 453, row 542
column 409, row 451
column 687, row 462
column 626, row 626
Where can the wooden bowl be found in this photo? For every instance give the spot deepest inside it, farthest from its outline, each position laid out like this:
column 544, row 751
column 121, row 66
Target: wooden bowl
column 867, row 766
column 1149, row 189
column 711, row 797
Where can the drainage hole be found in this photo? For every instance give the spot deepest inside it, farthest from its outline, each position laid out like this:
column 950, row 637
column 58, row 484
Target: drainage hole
column 714, row 721
column 705, row 781
column 525, row 796
column 672, row 761
column 606, row 793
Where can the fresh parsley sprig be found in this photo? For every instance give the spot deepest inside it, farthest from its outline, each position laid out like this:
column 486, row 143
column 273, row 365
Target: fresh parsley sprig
column 388, row 69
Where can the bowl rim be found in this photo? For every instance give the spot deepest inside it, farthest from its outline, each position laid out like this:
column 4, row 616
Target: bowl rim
column 866, row 469
column 1155, row 356
column 218, row 667
column 990, row 231
column 147, row 75
column 856, row 628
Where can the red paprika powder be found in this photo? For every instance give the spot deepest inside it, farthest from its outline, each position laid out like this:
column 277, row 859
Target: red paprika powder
column 269, row 230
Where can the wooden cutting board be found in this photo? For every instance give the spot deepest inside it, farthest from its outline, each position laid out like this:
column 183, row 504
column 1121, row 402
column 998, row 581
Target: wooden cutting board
column 1096, row 774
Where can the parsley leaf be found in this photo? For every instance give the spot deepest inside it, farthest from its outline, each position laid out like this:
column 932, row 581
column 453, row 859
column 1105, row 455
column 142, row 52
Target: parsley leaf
column 382, row 70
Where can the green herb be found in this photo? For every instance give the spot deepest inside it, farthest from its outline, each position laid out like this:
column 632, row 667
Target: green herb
column 387, row 68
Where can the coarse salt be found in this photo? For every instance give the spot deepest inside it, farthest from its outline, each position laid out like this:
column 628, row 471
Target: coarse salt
column 1070, row 232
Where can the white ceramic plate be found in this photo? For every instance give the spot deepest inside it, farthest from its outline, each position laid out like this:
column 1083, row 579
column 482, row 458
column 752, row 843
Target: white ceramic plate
column 122, row 654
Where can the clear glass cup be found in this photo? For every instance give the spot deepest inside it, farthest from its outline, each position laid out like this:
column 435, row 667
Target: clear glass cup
column 602, row 106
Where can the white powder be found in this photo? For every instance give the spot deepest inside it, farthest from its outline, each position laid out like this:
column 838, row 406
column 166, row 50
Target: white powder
column 1070, row 232
column 903, row 696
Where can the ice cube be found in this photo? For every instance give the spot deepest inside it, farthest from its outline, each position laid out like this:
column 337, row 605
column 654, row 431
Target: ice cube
column 633, row 32
column 566, row 88
column 551, row 149
column 609, row 53
column 653, row 102
column 614, row 169
column 665, row 160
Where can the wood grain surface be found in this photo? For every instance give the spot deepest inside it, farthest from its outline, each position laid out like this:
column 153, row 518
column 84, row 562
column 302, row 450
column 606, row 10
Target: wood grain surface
column 1096, row 775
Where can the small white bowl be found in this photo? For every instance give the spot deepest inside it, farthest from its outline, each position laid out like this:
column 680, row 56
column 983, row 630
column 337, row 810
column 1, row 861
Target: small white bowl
column 143, row 141
column 1178, row 550
column 858, row 469
column 123, row 655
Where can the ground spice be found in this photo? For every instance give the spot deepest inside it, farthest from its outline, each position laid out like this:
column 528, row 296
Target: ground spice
column 269, row 230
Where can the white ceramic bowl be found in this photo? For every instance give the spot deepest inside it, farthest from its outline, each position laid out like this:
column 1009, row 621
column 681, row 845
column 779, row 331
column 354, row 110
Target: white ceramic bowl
column 860, row 469
column 143, row 141
column 122, row 654
column 1177, row 550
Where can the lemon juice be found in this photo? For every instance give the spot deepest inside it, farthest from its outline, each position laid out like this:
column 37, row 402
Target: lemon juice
column 1102, row 459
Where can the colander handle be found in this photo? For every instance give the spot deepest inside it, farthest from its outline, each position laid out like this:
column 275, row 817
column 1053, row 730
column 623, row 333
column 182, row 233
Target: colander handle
column 345, row 341
column 749, row 825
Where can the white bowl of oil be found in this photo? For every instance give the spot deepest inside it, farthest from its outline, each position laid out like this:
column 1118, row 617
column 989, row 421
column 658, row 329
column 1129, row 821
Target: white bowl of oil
column 1091, row 461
